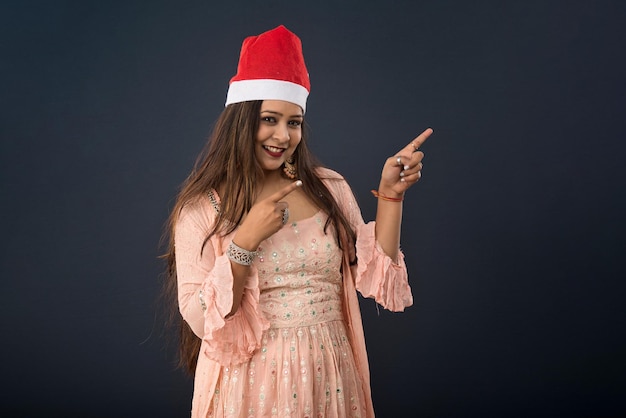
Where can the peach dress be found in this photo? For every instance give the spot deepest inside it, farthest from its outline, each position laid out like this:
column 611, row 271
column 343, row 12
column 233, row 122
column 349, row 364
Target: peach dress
column 295, row 347
column 305, row 366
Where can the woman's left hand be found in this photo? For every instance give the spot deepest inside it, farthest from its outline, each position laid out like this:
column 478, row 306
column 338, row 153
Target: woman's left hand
column 403, row 169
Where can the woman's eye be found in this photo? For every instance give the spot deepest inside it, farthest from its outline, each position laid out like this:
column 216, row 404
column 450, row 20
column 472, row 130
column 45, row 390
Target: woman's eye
column 295, row 123
column 269, row 119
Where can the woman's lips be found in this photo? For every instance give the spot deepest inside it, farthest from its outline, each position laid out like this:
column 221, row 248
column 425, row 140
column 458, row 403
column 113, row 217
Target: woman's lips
column 274, row 151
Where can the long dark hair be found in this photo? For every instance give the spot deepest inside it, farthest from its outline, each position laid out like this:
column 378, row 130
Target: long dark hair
column 228, row 164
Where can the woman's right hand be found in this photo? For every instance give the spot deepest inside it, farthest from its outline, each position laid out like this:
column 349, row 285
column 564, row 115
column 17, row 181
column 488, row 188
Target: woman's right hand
column 264, row 219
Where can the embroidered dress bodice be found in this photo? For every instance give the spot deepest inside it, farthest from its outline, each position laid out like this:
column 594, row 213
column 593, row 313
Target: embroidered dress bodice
column 305, row 365
column 300, row 275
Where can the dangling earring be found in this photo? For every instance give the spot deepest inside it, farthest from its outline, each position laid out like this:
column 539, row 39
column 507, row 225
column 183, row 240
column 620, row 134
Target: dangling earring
column 290, row 168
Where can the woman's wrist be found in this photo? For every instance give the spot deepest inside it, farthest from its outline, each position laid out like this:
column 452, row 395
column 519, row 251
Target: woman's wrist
column 240, row 255
column 389, row 193
column 386, row 198
column 246, row 238
column 245, row 242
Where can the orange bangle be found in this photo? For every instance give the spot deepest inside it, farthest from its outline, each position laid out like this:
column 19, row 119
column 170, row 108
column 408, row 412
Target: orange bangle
column 387, row 198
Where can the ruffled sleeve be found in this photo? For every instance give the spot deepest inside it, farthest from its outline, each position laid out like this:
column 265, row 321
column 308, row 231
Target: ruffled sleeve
column 205, row 289
column 376, row 275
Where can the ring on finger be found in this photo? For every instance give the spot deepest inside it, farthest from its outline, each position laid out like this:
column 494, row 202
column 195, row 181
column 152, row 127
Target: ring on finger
column 285, row 215
column 399, row 161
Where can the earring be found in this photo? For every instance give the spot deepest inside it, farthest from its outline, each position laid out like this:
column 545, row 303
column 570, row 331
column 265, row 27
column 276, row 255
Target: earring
column 290, row 168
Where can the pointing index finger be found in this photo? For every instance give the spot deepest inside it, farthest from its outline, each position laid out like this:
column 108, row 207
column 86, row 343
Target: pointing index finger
column 285, row 191
column 419, row 140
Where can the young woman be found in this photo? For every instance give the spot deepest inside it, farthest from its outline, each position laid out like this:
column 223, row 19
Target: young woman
column 268, row 248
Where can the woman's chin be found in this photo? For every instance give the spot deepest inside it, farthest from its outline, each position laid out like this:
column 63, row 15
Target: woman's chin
column 272, row 170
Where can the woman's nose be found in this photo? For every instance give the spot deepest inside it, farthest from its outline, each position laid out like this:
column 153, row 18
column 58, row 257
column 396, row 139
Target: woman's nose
column 282, row 132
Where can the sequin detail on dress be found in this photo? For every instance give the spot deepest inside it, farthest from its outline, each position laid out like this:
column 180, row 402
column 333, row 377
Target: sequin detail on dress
column 305, row 366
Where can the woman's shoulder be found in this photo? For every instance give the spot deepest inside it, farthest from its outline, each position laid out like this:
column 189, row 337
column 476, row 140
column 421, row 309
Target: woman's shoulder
column 202, row 202
column 335, row 182
column 201, row 209
column 325, row 173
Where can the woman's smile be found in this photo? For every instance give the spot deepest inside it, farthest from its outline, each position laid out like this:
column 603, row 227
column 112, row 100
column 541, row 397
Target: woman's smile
column 274, row 151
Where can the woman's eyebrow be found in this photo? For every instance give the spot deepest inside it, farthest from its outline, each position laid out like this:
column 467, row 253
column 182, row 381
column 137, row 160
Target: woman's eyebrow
column 273, row 112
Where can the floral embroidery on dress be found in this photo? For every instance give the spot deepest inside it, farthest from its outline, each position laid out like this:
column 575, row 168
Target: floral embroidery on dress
column 305, row 365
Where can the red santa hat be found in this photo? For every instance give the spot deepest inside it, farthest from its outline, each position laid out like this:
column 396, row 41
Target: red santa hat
column 271, row 67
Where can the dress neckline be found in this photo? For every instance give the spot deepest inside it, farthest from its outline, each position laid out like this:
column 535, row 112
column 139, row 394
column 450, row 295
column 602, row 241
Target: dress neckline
column 308, row 218
column 215, row 200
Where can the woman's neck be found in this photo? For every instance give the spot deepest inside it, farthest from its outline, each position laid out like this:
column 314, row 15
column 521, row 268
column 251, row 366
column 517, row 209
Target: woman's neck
column 273, row 177
column 272, row 181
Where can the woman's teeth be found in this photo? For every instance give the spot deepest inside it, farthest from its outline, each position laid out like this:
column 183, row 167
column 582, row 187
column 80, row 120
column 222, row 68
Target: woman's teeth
column 273, row 149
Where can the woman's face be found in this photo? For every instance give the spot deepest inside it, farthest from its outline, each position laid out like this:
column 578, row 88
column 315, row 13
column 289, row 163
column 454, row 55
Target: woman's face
column 280, row 132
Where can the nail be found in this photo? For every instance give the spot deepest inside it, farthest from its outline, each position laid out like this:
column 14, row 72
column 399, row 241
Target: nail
column 406, row 167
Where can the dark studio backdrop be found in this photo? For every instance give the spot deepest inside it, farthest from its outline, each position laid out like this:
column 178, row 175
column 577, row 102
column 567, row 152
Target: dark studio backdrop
column 514, row 238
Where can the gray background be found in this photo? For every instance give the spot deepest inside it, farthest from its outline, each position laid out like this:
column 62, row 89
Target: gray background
column 514, row 238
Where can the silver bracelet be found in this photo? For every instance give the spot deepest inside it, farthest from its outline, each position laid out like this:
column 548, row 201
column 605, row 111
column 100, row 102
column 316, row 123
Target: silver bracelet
column 240, row 255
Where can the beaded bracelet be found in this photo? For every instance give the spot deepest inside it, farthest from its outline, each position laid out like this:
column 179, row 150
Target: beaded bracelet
column 240, row 255
column 387, row 198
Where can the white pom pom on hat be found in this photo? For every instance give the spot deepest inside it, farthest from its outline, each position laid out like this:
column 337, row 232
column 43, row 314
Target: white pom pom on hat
column 271, row 67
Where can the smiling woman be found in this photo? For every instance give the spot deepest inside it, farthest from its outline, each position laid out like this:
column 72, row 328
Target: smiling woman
column 279, row 134
column 268, row 249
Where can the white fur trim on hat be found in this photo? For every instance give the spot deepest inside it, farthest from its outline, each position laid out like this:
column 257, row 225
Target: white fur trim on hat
column 267, row 89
